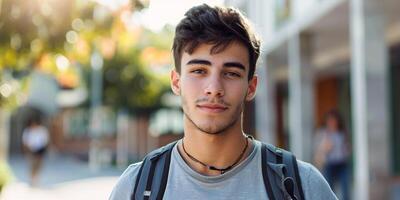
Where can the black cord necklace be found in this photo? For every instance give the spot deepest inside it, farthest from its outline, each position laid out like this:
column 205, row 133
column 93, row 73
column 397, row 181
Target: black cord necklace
column 210, row 167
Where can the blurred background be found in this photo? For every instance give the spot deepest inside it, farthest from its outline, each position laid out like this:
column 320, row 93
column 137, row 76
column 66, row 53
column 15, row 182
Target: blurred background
column 96, row 74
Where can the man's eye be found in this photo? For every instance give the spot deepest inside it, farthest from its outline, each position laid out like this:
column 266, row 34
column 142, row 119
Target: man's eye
column 198, row 71
column 232, row 74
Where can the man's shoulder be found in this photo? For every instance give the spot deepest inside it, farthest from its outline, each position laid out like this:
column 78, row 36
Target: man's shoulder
column 126, row 182
column 314, row 184
column 307, row 170
column 132, row 169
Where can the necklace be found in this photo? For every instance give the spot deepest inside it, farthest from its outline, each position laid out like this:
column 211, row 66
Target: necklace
column 210, row 167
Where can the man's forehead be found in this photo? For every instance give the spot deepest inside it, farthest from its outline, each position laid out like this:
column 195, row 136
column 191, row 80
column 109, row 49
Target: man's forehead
column 232, row 53
column 214, row 47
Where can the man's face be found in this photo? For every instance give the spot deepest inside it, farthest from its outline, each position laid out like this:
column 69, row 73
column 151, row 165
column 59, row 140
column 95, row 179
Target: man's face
column 213, row 87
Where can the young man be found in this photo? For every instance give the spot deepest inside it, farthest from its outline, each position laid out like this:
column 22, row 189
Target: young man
column 215, row 55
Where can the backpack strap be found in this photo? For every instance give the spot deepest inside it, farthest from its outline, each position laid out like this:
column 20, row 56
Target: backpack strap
column 280, row 173
column 152, row 178
column 297, row 176
column 266, row 157
column 292, row 170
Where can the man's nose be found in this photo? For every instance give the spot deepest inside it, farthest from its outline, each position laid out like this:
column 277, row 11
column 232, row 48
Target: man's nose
column 214, row 87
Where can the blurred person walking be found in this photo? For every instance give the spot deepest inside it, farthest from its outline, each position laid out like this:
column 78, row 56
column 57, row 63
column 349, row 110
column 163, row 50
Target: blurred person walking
column 35, row 139
column 332, row 153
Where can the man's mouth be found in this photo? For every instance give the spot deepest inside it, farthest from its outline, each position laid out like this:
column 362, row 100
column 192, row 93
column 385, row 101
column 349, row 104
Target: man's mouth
column 212, row 108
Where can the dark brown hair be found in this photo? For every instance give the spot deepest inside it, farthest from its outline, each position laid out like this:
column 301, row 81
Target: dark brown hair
column 219, row 26
column 336, row 115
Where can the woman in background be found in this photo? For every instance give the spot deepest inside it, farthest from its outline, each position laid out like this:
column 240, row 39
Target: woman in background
column 35, row 139
column 333, row 152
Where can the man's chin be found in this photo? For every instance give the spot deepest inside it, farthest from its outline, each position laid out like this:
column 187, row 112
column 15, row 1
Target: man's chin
column 211, row 125
column 212, row 131
column 215, row 128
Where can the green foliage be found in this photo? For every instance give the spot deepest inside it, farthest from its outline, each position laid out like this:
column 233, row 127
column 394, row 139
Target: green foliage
column 161, row 40
column 5, row 174
column 24, row 22
column 33, row 30
column 129, row 84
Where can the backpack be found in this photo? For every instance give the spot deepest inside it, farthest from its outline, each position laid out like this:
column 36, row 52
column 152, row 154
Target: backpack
column 279, row 170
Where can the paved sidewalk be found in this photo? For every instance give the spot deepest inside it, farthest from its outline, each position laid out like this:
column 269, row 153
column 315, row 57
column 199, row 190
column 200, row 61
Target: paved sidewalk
column 62, row 177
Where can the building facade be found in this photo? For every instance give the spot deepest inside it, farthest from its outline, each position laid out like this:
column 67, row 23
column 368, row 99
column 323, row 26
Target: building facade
column 319, row 55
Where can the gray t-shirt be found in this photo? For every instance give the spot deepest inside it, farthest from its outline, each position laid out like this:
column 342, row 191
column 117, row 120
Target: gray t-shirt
column 244, row 181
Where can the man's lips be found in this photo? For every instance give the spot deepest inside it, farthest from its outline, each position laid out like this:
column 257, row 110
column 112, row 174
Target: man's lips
column 214, row 108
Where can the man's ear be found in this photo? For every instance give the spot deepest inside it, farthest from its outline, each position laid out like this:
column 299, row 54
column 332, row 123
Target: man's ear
column 175, row 82
column 251, row 90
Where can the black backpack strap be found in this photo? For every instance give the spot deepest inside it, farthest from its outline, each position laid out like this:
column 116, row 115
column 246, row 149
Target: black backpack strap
column 284, row 162
column 267, row 175
column 297, row 175
column 164, row 177
column 152, row 178
column 292, row 181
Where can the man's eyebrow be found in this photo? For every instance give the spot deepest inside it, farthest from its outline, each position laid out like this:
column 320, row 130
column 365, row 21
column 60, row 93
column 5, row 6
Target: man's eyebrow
column 198, row 61
column 235, row 65
column 227, row 64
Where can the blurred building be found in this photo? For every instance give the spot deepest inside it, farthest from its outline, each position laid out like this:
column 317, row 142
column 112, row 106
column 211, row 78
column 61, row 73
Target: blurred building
column 324, row 54
column 120, row 137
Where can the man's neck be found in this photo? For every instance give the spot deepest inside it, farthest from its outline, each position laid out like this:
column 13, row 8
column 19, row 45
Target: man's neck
column 219, row 150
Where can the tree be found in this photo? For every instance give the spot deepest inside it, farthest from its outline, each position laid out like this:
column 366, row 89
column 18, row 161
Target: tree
column 39, row 32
